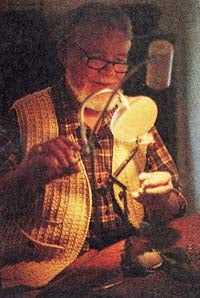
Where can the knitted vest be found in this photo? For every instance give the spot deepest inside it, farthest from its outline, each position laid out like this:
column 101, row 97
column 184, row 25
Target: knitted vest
column 58, row 222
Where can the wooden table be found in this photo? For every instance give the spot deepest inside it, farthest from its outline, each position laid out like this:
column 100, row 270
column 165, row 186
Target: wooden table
column 99, row 273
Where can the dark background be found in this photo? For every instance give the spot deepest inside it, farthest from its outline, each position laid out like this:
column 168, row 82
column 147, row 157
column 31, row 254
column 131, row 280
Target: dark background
column 28, row 61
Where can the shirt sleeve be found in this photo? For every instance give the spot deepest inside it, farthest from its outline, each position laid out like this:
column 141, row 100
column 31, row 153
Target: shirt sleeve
column 174, row 204
column 10, row 148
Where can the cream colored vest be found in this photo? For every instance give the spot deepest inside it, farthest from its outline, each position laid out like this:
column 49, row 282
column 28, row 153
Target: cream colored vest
column 60, row 220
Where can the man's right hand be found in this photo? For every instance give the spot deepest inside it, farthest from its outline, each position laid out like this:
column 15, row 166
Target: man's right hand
column 50, row 160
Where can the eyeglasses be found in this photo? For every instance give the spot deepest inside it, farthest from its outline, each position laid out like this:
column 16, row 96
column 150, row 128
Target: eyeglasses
column 99, row 64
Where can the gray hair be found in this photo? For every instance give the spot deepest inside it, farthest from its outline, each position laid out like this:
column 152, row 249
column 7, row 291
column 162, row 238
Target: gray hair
column 96, row 15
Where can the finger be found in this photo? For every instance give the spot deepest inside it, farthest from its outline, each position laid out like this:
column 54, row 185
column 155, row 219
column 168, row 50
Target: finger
column 156, row 190
column 69, row 152
column 148, row 175
column 67, row 162
column 72, row 170
column 54, row 150
column 63, row 151
column 155, row 182
column 136, row 195
column 140, row 191
column 62, row 142
column 52, row 168
column 69, row 143
column 35, row 150
column 145, row 175
column 155, row 179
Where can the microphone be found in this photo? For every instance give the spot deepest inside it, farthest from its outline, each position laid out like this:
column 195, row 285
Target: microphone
column 159, row 67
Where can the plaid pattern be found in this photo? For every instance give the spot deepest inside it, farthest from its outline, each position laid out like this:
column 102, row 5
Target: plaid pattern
column 110, row 218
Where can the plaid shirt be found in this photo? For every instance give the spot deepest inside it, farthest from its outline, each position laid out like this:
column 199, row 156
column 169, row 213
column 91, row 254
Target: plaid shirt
column 111, row 222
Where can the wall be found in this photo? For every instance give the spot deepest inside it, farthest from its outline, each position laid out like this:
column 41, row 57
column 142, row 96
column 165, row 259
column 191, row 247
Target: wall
column 183, row 18
column 191, row 85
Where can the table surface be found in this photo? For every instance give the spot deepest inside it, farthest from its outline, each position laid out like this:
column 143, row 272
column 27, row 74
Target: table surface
column 99, row 273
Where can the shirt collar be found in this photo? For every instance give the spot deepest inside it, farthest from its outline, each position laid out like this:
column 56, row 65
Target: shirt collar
column 72, row 107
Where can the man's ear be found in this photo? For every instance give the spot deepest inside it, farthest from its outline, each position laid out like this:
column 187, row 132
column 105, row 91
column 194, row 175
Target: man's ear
column 62, row 51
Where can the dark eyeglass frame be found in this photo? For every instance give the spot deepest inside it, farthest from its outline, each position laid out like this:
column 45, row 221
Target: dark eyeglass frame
column 89, row 58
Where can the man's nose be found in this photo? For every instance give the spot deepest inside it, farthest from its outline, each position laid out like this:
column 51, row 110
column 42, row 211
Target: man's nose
column 109, row 69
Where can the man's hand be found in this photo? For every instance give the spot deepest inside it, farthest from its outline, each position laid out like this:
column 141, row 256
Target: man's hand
column 153, row 184
column 50, row 160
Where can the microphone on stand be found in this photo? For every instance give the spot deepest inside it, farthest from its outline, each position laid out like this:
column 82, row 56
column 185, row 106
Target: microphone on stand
column 159, row 66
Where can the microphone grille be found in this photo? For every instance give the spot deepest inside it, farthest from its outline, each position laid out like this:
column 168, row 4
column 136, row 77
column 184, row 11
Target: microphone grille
column 160, row 53
column 160, row 47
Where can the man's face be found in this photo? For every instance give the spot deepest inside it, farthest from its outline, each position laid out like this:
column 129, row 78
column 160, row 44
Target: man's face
column 101, row 44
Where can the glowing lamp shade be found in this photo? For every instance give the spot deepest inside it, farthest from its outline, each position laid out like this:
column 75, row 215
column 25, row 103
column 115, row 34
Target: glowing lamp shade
column 134, row 119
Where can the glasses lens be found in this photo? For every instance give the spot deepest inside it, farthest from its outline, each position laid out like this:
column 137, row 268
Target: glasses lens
column 100, row 64
column 96, row 63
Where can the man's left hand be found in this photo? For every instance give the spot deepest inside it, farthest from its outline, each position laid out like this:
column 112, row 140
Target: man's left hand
column 153, row 184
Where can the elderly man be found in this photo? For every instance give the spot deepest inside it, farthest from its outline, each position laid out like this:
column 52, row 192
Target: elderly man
column 54, row 206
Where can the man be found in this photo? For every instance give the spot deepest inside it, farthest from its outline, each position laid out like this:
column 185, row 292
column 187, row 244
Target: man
column 54, row 203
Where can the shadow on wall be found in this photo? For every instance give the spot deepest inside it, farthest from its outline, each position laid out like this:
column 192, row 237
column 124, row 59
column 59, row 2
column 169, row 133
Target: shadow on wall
column 27, row 56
